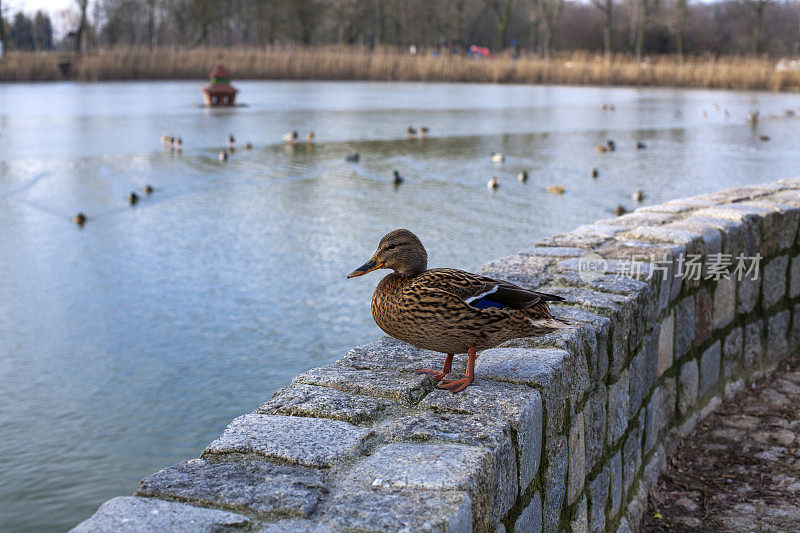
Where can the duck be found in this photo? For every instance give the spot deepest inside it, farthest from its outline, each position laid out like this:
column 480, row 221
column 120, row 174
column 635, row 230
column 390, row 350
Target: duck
column 79, row 219
column 492, row 183
column 555, row 189
column 763, row 138
column 638, row 196
column 223, row 155
column 290, row 137
column 594, row 173
column 640, row 145
column 497, row 157
column 178, row 144
column 231, row 142
column 411, row 131
column 522, row 176
column 310, row 137
column 752, row 117
column 600, row 149
column 248, row 146
column 166, row 138
column 424, row 130
column 449, row 310
column 398, row 179
column 133, row 198
column 148, row 189
column 611, row 145
column 620, row 210
column 352, row 158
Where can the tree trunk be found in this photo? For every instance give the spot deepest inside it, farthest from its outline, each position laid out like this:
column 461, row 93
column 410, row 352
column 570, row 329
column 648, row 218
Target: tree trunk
column 501, row 17
column 83, row 6
column 606, row 8
column 680, row 27
column 644, row 5
column 758, row 25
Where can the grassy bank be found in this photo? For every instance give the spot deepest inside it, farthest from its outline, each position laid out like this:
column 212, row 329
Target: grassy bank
column 345, row 63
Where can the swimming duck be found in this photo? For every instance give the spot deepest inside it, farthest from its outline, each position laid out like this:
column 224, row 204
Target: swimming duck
column 601, row 149
column 133, row 198
column 148, row 189
column 231, row 142
column 752, row 117
column 611, row 145
column 424, row 130
column 79, row 219
column 310, row 137
column 640, row 145
column 638, row 196
column 178, row 144
column 763, row 138
column 398, row 179
column 448, row 310
column 411, row 131
column 522, row 176
column 497, row 157
column 248, row 146
column 223, row 155
column 352, row 158
column 594, row 173
column 555, row 189
column 493, row 183
column 290, row 137
column 620, row 210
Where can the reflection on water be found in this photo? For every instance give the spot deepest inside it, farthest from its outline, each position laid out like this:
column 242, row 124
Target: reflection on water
column 129, row 344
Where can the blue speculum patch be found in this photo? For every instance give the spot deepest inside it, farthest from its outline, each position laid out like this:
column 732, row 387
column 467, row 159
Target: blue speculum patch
column 486, row 303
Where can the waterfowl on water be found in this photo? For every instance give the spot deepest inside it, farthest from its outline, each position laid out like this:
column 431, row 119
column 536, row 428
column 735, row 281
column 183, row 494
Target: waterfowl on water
column 424, row 130
column 493, row 183
column 600, row 148
column 638, row 196
column 620, row 210
column 352, row 158
column 133, row 198
column 223, row 155
column 290, row 137
column 178, row 144
column 310, row 137
column 449, row 310
column 248, row 146
column 398, row 179
column 411, row 131
column 231, row 142
column 555, row 189
column 611, row 145
column 497, row 157
column 522, row 176
column 763, row 138
column 594, row 173
column 640, row 145
column 79, row 219
column 148, row 189
column 752, row 117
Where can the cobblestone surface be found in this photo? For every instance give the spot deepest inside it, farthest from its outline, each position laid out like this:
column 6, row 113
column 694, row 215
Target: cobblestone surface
column 740, row 468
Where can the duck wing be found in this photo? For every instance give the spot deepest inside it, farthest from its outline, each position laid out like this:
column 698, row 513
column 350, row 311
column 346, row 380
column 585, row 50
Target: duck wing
column 482, row 292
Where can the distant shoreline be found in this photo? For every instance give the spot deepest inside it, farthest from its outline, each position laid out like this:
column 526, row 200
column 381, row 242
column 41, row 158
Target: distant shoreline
column 353, row 63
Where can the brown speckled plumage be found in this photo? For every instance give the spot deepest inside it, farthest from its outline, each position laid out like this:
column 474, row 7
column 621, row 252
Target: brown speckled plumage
column 443, row 309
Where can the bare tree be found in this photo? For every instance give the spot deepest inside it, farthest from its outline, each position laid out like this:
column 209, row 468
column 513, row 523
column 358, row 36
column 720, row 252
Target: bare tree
column 606, row 7
column 502, row 12
column 83, row 6
column 551, row 11
column 641, row 27
column 680, row 25
column 756, row 8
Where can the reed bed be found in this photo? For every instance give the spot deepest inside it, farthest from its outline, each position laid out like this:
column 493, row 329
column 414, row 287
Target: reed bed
column 352, row 63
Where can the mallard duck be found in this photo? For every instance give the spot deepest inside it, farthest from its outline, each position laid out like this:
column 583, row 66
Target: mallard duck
column 493, row 183
column 638, row 196
column 620, row 210
column 424, row 130
column 594, row 173
column 79, row 219
column 178, row 144
column 398, row 179
column 290, row 137
column 133, row 198
column 231, row 142
column 611, row 145
column 601, row 149
column 352, row 158
column 640, row 145
column 763, row 138
column 248, row 146
column 752, row 117
column 310, row 137
column 411, row 131
column 497, row 157
column 522, row 176
column 448, row 310
column 223, row 155
column 555, row 189
column 148, row 189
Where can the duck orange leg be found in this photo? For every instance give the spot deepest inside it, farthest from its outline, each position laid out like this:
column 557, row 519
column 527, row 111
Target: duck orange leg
column 448, row 364
column 461, row 384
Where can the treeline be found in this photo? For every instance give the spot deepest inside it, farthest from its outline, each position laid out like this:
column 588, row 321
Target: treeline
column 638, row 27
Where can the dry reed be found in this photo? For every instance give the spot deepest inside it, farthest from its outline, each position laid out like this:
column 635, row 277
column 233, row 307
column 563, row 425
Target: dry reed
column 350, row 63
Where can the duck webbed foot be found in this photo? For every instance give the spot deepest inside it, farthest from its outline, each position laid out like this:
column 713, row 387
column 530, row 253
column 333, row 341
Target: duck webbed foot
column 448, row 364
column 458, row 385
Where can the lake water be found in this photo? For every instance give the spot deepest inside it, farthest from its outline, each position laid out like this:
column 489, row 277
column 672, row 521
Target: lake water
column 129, row 344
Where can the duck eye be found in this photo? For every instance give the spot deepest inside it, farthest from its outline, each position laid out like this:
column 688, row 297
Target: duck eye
column 391, row 246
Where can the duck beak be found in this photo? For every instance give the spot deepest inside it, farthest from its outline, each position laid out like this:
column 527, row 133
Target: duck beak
column 369, row 266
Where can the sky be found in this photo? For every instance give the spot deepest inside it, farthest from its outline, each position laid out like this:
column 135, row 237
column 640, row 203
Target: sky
column 31, row 6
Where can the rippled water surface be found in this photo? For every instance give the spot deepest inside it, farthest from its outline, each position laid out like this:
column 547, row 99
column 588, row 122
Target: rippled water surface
column 129, row 344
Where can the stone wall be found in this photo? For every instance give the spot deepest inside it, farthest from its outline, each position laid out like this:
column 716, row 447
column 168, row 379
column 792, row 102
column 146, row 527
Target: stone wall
column 562, row 433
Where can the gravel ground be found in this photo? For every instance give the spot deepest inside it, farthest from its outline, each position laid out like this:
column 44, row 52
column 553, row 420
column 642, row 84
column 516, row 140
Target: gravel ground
column 739, row 470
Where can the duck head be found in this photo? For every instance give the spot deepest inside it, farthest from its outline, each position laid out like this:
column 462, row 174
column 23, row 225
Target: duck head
column 399, row 250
